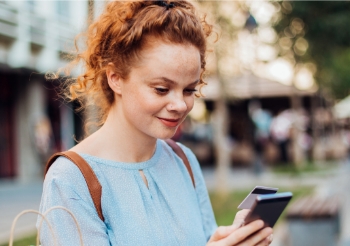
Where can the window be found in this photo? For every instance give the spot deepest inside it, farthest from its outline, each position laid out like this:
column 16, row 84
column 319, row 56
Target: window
column 31, row 4
column 63, row 9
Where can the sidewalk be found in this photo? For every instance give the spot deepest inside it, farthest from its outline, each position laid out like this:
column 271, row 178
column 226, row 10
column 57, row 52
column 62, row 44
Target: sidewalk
column 14, row 198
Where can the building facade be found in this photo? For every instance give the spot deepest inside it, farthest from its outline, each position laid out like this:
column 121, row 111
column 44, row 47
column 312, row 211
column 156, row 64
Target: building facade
column 35, row 37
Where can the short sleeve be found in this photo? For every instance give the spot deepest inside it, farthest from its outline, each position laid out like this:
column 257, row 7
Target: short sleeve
column 208, row 218
column 65, row 186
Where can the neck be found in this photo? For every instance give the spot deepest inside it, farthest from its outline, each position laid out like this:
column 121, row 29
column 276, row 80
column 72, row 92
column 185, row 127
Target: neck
column 118, row 140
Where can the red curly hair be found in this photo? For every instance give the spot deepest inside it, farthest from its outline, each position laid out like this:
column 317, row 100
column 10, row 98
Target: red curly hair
column 119, row 35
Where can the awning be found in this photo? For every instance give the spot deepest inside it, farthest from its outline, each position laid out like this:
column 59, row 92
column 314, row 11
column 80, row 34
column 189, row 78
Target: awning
column 250, row 86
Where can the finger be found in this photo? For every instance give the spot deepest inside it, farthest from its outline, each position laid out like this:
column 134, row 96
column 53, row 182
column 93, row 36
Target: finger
column 244, row 232
column 265, row 242
column 222, row 232
column 259, row 238
column 240, row 216
column 270, row 239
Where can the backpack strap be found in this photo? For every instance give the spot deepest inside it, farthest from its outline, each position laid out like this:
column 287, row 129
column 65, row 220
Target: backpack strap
column 92, row 182
column 178, row 150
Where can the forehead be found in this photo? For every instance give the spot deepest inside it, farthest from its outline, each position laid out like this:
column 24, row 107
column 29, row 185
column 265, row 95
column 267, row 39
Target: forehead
column 166, row 55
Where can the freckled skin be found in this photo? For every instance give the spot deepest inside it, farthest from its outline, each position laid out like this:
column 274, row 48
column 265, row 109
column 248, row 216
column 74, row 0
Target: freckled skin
column 140, row 105
column 158, row 92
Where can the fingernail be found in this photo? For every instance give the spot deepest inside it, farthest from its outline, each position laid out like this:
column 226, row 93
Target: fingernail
column 270, row 238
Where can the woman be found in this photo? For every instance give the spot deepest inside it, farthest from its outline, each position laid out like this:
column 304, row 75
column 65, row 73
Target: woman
column 144, row 61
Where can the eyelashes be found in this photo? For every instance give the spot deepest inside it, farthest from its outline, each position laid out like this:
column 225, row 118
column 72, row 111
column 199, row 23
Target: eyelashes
column 190, row 91
column 161, row 91
column 164, row 91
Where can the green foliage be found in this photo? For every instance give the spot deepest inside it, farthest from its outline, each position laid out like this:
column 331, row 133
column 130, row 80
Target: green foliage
column 225, row 208
column 338, row 68
column 307, row 168
column 326, row 28
column 24, row 242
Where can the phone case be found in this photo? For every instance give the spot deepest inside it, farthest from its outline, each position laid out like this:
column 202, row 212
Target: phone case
column 248, row 202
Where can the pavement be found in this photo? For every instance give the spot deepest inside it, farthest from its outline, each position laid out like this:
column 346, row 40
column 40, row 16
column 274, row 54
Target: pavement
column 16, row 197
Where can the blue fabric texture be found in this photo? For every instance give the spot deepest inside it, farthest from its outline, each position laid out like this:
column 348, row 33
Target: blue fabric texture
column 169, row 212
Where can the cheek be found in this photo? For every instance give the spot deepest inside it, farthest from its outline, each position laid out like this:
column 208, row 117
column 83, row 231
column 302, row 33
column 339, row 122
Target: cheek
column 133, row 93
column 190, row 104
column 142, row 102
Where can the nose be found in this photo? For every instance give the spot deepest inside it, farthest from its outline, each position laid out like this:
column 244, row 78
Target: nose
column 177, row 104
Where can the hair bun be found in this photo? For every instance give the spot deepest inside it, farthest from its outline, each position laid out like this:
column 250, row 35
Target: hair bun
column 165, row 4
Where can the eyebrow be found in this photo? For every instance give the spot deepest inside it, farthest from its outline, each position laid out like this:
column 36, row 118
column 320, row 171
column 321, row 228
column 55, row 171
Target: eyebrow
column 173, row 82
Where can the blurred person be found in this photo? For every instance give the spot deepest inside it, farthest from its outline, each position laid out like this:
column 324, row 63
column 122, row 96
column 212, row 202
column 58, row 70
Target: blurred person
column 262, row 121
column 345, row 136
column 43, row 138
column 143, row 63
column 280, row 128
column 303, row 138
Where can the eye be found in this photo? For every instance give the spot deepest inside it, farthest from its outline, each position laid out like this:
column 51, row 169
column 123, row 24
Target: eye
column 190, row 91
column 161, row 90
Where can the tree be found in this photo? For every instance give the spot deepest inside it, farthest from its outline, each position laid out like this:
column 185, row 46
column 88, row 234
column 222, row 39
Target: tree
column 231, row 59
column 318, row 32
column 223, row 64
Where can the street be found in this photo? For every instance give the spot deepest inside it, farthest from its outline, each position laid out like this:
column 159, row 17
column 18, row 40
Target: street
column 14, row 198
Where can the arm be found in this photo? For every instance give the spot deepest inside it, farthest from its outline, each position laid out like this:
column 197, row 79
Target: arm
column 65, row 186
column 224, row 235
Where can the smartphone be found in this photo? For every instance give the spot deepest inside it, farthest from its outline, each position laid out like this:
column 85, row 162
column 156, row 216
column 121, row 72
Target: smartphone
column 269, row 208
column 248, row 202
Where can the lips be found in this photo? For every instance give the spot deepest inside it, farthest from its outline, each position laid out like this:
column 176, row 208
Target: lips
column 170, row 122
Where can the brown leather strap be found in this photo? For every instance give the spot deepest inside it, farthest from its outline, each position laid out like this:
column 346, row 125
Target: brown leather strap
column 92, row 182
column 177, row 149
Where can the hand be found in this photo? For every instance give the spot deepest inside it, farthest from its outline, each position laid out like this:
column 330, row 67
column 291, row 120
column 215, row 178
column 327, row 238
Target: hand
column 240, row 217
column 239, row 221
column 252, row 234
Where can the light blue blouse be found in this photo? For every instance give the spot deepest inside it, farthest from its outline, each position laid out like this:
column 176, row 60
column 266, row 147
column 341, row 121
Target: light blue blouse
column 170, row 212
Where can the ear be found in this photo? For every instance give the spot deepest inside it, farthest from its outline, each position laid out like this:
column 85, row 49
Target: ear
column 114, row 79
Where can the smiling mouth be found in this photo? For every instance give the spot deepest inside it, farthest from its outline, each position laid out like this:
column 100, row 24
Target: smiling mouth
column 170, row 122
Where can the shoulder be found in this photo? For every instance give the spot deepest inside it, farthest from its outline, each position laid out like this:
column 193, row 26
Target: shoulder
column 189, row 155
column 188, row 152
column 62, row 168
column 65, row 176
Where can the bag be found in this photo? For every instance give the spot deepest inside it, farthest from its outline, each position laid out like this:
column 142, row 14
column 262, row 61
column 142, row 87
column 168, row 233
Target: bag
column 92, row 182
column 44, row 218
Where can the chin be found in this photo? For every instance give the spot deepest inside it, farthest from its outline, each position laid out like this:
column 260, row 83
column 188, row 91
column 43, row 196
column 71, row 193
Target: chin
column 165, row 134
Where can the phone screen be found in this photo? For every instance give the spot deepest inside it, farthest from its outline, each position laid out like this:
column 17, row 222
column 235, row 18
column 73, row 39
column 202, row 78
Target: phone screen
column 269, row 208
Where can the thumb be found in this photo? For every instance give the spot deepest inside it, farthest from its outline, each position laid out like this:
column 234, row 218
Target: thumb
column 222, row 232
column 240, row 217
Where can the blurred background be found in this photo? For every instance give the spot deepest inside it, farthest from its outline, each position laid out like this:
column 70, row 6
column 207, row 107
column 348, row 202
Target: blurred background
column 275, row 111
